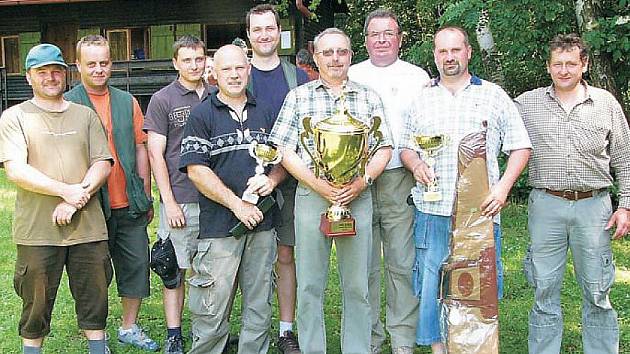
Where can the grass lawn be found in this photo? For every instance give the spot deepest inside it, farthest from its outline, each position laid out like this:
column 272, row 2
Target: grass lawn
column 66, row 338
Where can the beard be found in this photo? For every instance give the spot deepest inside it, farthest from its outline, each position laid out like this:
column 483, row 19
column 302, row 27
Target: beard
column 452, row 69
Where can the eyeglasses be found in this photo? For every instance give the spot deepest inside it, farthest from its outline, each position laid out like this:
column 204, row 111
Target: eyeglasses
column 388, row 34
column 342, row 52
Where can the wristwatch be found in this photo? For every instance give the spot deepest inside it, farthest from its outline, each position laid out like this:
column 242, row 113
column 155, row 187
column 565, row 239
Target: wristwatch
column 368, row 179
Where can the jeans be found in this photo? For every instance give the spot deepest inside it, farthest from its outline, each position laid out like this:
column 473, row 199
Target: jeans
column 432, row 234
column 556, row 225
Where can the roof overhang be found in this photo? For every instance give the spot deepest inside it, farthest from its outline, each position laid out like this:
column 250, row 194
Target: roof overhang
column 40, row 2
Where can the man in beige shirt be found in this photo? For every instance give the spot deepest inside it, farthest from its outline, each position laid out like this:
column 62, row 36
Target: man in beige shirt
column 56, row 153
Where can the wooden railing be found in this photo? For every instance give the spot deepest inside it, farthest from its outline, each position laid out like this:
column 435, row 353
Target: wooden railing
column 139, row 77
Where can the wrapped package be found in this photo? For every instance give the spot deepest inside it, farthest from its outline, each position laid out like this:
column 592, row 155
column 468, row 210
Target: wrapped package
column 468, row 293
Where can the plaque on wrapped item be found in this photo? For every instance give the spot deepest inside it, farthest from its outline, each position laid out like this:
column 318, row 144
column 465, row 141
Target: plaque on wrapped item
column 340, row 154
column 473, row 283
column 430, row 146
column 265, row 155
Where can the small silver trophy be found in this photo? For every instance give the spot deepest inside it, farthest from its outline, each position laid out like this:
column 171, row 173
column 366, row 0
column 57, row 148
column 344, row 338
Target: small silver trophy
column 430, row 145
column 265, row 155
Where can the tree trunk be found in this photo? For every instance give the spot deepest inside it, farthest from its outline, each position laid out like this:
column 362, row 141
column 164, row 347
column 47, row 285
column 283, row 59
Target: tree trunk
column 600, row 71
column 488, row 51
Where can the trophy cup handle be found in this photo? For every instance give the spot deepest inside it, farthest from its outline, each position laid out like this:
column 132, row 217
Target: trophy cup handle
column 308, row 131
column 378, row 135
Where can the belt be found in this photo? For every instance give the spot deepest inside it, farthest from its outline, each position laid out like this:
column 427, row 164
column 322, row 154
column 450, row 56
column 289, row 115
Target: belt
column 573, row 195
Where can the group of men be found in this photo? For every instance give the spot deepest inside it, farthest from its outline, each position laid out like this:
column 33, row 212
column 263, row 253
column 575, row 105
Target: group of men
column 84, row 161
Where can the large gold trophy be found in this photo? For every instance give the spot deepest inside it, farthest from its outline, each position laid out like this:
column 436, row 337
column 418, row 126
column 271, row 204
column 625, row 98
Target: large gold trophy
column 341, row 154
column 431, row 145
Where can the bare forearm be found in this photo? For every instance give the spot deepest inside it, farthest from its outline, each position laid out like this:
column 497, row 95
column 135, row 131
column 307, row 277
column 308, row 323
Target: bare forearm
column 277, row 174
column 97, row 175
column 156, row 149
column 515, row 165
column 378, row 162
column 409, row 158
column 143, row 168
column 31, row 179
column 212, row 187
column 294, row 165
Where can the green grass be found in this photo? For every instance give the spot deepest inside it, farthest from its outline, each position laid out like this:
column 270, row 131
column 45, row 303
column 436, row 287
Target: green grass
column 66, row 338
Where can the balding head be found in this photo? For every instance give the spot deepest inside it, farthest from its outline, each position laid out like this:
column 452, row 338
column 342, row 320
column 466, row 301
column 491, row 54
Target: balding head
column 231, row 70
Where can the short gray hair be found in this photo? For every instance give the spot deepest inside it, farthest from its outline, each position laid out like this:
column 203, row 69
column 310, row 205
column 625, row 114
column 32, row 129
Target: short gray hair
column 331, row 30
column 380, row 13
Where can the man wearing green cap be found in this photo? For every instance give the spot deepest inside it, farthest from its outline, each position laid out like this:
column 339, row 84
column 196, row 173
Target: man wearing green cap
column 56, row 153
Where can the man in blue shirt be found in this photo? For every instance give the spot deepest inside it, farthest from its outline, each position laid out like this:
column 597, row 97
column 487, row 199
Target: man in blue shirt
column 270, row 81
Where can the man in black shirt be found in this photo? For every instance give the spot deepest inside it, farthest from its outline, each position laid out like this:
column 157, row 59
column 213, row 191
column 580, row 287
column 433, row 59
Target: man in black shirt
column 215, row 156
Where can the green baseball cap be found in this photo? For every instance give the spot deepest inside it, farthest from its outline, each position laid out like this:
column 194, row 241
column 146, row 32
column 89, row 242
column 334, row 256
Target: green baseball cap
column 44, row 54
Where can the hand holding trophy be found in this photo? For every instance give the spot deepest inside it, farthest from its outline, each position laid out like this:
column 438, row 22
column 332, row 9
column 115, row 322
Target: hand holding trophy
column 430, row 146
column 341, row 154
column 265, row 155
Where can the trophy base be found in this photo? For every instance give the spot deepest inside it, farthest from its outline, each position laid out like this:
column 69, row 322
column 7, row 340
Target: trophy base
column 432, row 196
column 342, row 228
column 250, row 197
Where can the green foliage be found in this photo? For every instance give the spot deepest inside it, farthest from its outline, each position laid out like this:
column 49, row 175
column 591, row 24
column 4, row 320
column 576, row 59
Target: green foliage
column 521, row 31
column 611, row 36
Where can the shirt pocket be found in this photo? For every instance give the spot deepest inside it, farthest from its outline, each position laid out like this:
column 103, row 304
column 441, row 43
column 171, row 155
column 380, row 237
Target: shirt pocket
column 590, row 138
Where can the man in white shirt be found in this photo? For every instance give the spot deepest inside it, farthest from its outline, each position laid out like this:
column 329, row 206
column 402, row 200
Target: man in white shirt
column 397, row 82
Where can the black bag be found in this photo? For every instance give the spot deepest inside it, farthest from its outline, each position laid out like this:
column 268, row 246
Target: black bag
column 164, row 263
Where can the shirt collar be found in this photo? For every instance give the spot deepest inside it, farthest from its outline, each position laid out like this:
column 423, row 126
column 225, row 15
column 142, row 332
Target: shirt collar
column 550, row 91
column 251, row 100
column 349, row 85
column 474, row 80
column 185, row 91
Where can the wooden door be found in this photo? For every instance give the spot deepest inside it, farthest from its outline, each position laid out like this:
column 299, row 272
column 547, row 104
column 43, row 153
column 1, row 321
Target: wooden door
column 63, row 35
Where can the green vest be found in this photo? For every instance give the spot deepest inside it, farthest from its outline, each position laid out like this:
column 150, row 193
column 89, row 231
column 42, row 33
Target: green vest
column 290, row 74
column 121, row 104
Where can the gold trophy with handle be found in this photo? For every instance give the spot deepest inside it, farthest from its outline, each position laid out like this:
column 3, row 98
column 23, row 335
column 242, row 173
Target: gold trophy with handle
column 431, row 145
column 340, row 154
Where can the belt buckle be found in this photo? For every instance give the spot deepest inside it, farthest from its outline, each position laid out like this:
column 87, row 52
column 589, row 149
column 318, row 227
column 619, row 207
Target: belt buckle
column 569, row 194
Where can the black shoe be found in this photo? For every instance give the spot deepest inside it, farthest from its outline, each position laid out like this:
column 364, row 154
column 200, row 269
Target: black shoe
column 288, row 343
column 231, row 342
column 174, row 345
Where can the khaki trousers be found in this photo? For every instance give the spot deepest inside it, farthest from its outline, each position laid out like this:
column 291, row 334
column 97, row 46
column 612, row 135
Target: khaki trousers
column 392, row 237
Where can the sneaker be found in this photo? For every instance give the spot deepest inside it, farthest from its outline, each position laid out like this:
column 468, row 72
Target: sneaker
column 174, row 345
column 135, row 336
column 288, row 344
column 402, row 350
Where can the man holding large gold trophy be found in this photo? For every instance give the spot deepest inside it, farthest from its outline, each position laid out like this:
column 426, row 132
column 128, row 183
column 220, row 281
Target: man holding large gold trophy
column 440, row 122
column 335, row 141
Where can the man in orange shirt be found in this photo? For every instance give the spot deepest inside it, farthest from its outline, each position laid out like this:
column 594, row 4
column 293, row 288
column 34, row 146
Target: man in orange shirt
column 127, row 198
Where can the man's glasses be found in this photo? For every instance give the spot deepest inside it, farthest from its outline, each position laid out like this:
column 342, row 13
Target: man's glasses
column 342, row 52
column 388, row 34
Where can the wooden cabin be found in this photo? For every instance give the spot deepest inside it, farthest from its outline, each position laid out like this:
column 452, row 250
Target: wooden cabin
column 140, row 32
